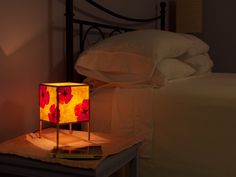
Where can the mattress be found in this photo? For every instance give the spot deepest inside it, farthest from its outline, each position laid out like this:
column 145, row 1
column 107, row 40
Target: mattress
column 188, row 125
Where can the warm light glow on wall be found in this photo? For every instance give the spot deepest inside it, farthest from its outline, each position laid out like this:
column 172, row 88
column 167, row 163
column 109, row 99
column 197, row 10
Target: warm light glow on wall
column 188, row 16
column 64, row 102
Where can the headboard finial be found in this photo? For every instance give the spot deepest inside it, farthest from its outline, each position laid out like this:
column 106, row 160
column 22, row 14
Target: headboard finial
column 163, row 11
column 69, row 42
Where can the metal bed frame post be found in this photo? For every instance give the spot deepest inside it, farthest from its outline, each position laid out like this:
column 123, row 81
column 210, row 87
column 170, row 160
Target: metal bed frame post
column 163, row 13
column 81, row 34
column 69, row 40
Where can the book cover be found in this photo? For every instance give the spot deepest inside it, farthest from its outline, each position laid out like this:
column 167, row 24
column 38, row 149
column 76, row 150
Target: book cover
column 71, row 152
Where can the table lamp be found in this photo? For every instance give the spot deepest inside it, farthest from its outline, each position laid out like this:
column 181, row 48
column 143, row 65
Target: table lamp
column 64, row 103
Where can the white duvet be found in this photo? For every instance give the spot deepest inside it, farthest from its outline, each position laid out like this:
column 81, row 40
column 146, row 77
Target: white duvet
column 189, row 126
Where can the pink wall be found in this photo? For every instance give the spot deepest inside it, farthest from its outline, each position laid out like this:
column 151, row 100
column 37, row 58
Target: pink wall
column 31, row 51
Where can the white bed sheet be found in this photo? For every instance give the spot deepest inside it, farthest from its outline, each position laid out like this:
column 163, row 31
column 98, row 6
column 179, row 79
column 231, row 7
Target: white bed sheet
column 189, row 125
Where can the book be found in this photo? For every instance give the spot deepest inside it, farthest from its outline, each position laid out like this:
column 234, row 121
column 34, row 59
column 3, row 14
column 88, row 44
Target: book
column 93, row 152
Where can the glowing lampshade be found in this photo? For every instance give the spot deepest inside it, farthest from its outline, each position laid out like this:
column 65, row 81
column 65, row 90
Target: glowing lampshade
column 62, row 103
column 65, row 102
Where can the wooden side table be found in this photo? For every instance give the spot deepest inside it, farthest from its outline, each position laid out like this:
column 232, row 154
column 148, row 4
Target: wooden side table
column 15, row 164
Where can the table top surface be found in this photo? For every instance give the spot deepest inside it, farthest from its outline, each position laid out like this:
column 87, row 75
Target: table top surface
column 33, row 147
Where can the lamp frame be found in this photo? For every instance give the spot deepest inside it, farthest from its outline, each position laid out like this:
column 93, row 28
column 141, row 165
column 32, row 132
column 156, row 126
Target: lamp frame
column 66, row 123
column 58, row 130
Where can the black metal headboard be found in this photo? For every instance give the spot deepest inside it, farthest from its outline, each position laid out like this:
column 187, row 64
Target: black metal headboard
column 70, row 20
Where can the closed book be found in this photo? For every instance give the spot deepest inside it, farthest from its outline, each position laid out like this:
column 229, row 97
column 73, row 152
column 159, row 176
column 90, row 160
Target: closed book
column 72, row 152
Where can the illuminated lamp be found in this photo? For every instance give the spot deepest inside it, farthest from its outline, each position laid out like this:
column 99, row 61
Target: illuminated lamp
column 64, row 103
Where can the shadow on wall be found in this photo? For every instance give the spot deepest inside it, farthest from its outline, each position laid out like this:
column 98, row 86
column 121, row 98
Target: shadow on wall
column 30, row 53
column 20, row 74
column 12, row 119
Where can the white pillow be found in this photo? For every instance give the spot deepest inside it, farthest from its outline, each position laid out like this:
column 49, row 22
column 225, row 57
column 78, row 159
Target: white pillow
column 201, row 63
column 197, row 46
column 132, row 56
column 175, row 69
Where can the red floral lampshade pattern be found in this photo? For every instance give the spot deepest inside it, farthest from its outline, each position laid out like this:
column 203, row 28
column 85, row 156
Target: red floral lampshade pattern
column 54, row 114
column 44, row 96
column 64, row 94
column 64, row 104
column 82, row 111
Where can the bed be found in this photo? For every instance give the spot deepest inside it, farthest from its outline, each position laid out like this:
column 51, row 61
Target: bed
column 156, row 85
column 159, row 85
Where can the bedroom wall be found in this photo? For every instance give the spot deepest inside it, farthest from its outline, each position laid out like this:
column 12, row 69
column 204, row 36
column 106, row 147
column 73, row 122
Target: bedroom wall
column 31, row 51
